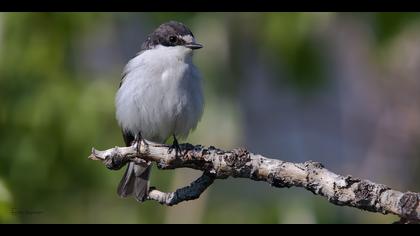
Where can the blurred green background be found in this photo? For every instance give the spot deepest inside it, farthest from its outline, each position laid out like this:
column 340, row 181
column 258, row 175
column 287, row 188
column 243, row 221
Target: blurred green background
column 339, row 88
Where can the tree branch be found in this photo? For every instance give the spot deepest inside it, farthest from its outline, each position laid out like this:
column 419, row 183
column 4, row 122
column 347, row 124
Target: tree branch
column 239, row 163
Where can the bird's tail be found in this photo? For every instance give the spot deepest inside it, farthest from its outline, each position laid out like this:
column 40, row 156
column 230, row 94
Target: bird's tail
column 135, row 182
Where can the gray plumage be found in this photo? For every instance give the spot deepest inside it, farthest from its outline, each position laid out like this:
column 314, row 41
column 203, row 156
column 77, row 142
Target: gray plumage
column 160, row 95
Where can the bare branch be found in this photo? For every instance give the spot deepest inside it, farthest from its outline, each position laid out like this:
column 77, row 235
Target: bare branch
column 239, row 163
column 183, row 194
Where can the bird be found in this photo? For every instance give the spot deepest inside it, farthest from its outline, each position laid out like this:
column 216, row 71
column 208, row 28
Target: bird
column 160, row 96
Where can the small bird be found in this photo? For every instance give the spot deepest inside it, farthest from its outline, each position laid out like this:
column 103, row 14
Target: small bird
column 160, row 96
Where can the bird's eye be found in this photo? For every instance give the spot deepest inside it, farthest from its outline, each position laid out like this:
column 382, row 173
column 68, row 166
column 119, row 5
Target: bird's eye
column 172, row 39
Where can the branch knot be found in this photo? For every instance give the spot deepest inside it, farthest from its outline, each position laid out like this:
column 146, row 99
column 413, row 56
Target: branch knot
column 115, row 160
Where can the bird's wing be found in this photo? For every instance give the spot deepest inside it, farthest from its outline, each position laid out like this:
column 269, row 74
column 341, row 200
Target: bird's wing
column 128, row 137
column 127, row 69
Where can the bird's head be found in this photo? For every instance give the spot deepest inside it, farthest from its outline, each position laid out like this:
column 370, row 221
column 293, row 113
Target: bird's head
column 172, row 34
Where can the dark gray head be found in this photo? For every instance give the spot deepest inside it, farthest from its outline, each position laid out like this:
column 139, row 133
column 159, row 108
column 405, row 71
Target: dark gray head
column 171, row 34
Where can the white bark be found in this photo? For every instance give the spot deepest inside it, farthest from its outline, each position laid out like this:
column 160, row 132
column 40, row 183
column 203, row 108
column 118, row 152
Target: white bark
column 239, row 163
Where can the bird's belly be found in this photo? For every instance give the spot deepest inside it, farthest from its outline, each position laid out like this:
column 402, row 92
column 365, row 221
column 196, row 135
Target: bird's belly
column 160, row 108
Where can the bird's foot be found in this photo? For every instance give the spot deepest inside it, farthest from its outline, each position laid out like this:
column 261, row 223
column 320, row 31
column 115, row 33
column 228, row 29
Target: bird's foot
column 138, row 139
column 175, row 145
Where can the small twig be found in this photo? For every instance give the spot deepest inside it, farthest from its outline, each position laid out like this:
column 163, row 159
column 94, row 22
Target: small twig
column 191, row 192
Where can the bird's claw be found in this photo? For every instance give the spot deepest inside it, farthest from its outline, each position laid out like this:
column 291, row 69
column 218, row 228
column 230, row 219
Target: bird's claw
column 175, row 145
column 138, row 139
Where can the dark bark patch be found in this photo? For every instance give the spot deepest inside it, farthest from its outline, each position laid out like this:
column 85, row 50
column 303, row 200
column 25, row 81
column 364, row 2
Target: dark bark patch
column 238, row 158
column 115, row 161
column 409, row 203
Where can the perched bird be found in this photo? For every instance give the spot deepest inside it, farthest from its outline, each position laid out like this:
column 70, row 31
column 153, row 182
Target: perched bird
column 160, row 96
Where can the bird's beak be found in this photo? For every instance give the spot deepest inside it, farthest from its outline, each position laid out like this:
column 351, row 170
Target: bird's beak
column 193, row 45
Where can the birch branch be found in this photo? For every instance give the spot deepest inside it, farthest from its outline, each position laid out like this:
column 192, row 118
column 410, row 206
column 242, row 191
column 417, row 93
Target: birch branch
column 239, row 163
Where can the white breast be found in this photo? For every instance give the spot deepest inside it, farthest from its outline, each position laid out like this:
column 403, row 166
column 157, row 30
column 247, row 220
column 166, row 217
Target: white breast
column 161, row 94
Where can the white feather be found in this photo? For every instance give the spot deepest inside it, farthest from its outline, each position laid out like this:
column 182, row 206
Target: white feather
column 161, row 94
